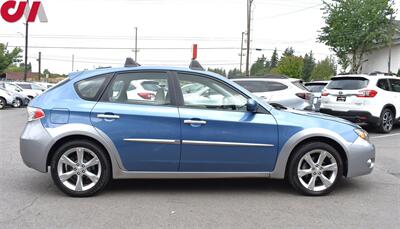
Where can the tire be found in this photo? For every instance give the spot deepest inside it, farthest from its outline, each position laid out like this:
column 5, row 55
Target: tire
column 17, row 103
column 2, row 103
column 325, row 175
column 94, row 177
column 386, row 121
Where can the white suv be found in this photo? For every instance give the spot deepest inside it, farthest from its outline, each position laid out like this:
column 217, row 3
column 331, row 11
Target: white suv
column 281, row 90
column 371, row 99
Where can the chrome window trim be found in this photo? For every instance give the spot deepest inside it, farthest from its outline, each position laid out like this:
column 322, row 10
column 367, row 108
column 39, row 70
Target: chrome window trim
column 150, row 140
column 190, row 142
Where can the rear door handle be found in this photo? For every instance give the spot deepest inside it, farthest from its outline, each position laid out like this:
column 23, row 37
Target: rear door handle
column 108, row 116
column 195, row 122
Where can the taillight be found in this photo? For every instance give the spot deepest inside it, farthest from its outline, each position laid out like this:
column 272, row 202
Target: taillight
column 146, row 95
column 324, row 93
column 34, row 113
column 367, row 94
column 305, row 96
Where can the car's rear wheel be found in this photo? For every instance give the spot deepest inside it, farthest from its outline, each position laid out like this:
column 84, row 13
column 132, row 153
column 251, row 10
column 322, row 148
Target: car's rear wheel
column 80, row 168
column 2, row 103
column 386, row 121
column 17, row 103
column 315, row 169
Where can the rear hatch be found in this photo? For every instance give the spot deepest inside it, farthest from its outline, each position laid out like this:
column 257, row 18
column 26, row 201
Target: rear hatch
column 345, row 93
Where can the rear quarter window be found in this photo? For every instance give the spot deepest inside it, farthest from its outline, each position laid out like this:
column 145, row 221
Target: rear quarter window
column 91, row 88
column 348, row 83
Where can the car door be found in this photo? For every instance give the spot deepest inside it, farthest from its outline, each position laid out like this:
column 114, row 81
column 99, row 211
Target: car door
column 395, row 88
column 144, row 129
column 219, row 135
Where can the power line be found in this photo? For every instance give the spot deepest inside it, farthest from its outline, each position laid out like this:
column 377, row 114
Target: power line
column 291, row 12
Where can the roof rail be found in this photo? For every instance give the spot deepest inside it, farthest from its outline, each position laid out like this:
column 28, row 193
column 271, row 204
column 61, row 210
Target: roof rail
column 376, row 73
column 195, row 65
column 129, row 62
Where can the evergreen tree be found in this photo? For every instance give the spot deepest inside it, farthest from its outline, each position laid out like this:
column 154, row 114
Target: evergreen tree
column 220, row 71
column 309, row 64
column 288, row 52
column 235, row 73
column 274, row 59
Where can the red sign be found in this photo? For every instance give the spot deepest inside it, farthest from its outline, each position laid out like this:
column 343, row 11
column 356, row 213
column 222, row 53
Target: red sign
column 22, row 9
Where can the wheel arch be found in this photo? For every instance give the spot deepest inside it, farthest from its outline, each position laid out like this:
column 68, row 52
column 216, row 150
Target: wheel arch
column 328, row 141
column 391, row 107
column 304, row 137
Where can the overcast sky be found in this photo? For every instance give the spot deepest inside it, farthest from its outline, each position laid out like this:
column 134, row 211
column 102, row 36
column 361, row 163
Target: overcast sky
column 166, row 31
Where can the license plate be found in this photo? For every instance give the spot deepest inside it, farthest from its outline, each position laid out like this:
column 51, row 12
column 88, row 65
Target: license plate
column 315, row 100
column 341, row 99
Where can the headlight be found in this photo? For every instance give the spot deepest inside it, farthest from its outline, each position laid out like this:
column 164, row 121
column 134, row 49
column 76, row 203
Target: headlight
column 362, row 134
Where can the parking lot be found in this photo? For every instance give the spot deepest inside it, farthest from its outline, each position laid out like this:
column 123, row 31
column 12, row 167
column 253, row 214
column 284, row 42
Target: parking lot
column 29, row 199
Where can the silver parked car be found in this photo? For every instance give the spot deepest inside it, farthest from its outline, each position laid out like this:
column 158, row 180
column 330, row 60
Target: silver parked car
column 316, row 88
column 281, row 90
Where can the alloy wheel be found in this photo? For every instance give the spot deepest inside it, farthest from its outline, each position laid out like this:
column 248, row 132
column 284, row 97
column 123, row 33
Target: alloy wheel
column 317, row 170
column 79, row 169
column 2, row 104
column 387, row 121
column 17, row 103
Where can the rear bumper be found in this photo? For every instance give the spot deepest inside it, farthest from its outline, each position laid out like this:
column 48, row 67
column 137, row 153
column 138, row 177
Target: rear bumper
column 361, row 158
column 352, row 115
column 34, row 144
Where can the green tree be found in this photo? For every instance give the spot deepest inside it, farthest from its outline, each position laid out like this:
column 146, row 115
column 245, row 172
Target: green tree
column 8, row 58
column 324, row 70
column 220, row 71
column 260, row 67
column 235, row 73
column 309, row 64
column 353, row 27
column 291, row 66
column 274, row 59
column 288, row 52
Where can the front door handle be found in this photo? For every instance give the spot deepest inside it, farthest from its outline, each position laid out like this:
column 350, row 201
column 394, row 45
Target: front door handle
column 195, row 122
column 108, row 116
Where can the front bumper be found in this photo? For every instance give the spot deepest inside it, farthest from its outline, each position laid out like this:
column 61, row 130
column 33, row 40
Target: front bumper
column 360, row 158
column 352, row 115
column 34, row 144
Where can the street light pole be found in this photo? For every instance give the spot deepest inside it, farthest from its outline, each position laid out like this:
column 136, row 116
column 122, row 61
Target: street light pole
column 249, row 2
column 26, row 49
column 136, row 51
column 241, row 53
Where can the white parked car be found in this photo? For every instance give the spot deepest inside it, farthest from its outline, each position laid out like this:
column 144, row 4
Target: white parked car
column 21, row 99
column 316, row 88
column 371, row 99
column 281, row 90
column 6, row 98
column 31, row 88
column 45, row 85
column 13, row 87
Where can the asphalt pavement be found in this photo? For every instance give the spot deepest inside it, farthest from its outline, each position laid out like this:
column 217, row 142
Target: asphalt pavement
column 29, row 199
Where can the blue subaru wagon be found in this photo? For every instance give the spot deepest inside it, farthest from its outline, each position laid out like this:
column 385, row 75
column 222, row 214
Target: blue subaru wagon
column 164, row 122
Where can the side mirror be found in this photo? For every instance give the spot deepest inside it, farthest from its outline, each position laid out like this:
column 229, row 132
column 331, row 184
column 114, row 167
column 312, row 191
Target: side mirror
column 252, row 106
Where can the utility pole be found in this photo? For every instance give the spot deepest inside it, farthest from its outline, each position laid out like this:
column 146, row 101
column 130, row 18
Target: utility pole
column 390, row 44
column 241, row 53
column 40, row 65
column 249, row 2
column 73, row 61
column 136, row 50
column 26, row 49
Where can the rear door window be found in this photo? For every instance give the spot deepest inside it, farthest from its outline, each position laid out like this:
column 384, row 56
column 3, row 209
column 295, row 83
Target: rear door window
column 383, row 84
column 395, row 84
column 348, row 83
column 261, row 86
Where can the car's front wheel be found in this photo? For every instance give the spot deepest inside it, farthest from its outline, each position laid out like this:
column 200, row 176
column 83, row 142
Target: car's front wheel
column 17, row 103
column 80, row 168
column 315, row 169
column 2, row 103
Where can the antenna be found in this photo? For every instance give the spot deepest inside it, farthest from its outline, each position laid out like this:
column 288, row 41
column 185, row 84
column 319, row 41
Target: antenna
column 129, row 62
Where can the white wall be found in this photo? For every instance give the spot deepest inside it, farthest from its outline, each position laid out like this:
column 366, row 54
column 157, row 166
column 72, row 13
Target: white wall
column 378, row 60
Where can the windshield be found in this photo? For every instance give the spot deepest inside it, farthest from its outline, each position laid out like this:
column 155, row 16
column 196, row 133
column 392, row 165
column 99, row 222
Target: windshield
column 25, row 86
column 348, row 83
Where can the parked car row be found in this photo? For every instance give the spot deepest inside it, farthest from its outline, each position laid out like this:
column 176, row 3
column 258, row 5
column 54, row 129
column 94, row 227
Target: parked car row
column 19, row 94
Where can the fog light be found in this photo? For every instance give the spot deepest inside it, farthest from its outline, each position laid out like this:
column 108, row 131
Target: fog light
column 371, row 163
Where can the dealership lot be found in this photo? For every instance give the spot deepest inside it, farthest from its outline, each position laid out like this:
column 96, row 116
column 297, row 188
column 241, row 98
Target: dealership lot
column 29, row 199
